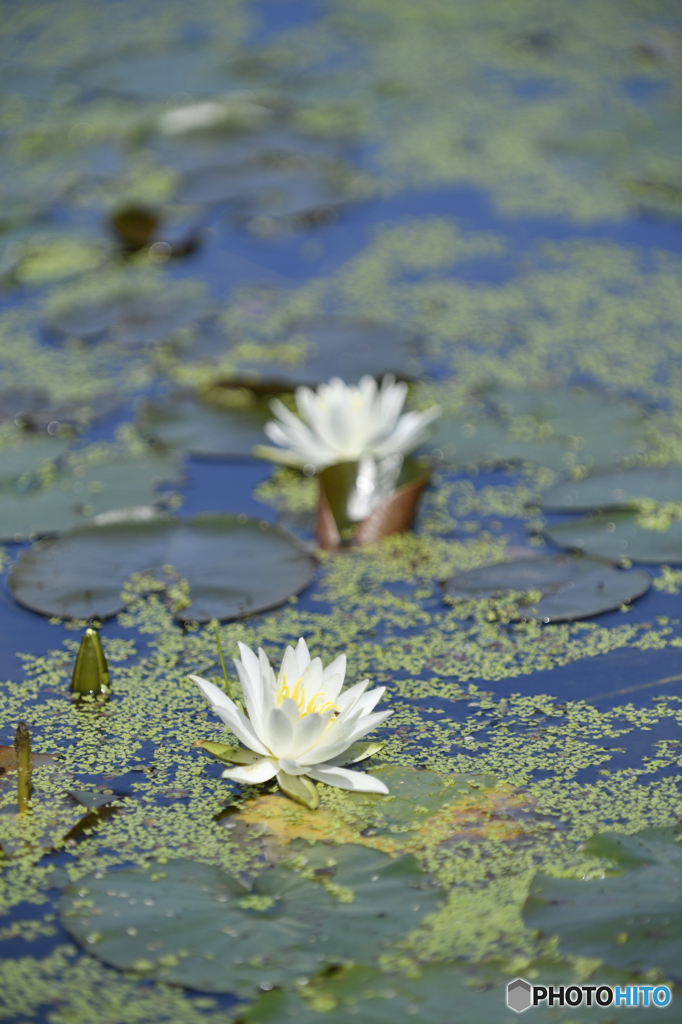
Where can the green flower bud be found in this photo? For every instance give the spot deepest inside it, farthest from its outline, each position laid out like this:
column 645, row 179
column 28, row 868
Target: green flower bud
column 91, row 672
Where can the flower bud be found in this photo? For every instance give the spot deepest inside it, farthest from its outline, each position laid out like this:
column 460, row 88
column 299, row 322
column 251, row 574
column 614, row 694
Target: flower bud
column 91, row 672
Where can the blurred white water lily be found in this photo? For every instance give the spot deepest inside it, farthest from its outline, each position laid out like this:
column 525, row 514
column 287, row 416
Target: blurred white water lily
column 298, row 725
column 344, row 423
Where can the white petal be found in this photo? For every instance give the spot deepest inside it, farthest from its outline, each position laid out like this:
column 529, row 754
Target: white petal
column 280, row 733
column 252, row 693
column 259, row 771
column 345, row 779
column 350, row 731
column 289, row 672
column 302, row 654
column 239, row 724
column 291, row 767
column 308, row 732
column 213, row 694
column 349, row 699
column 250, row 662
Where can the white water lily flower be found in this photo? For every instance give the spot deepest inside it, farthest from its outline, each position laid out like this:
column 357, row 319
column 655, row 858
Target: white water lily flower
column 342, row 423
column 299, row 721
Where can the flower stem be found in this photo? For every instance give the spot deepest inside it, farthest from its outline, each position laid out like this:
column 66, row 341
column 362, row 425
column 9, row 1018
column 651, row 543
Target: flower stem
column 22, row 746
column 222, row 662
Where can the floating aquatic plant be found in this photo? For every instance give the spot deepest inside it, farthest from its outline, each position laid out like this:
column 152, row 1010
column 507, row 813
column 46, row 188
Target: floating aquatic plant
column 356, row 438
column 298, row 726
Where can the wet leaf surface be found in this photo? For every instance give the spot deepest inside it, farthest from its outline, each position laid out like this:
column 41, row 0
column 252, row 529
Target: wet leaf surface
column 617, row 535
column 616, row 490
column 195, row 925
column 631, row 920
column 203, row 428
column 233, row 567
column 571, row 587
column 79, row 492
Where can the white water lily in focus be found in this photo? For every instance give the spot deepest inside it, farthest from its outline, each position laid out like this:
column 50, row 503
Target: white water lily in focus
column 300, row 722
column 344, row 423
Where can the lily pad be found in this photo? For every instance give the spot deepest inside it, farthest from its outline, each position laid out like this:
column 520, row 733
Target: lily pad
column 194, row 925
column 571, row 587
column 130, row 320
column 337, row 348
column 470, row 440
column 616, row 490
column 600, row 428
column 195, row 70
column 442, row 993
column 631, row 920
column 184, row 422
column 618, row 535
column 233, row 567
column 79, row 492
column 27, row 454
column 34, row 410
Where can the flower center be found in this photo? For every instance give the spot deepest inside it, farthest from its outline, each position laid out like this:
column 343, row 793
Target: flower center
column 318, row 703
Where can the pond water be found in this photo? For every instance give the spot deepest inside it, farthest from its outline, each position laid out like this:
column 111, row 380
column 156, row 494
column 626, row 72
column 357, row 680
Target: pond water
column 491, row 197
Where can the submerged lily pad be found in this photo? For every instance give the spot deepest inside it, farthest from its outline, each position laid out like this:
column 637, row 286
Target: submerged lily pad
column 233, row 567
column 194, row 925
column 631, row 920
column 204, row 428
column 618, row 535
column 79, row 492
column 616, row 490
column 571, row 587
column 338, row 348
column 130, row 320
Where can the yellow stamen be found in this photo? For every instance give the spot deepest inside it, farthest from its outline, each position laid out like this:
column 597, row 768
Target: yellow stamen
column 298, row 696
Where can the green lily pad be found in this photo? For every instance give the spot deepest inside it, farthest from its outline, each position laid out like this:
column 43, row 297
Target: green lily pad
column 601, row 429
column 469, row 441
column 201, row 428
column 617, row 535
column 338, row 348
column 34, row 410
column 616, row 490
column 571, row 587
column 130, row 320
column 233, row 567
column 442, row 993
column 194, row 925
column 79, row 492
column 26, row 454
column 631, row 920
column 414, row 796
column 194, row 70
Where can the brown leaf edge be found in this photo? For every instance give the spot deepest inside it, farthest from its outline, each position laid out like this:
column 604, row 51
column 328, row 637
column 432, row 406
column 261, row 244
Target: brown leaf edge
column 394, row 515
